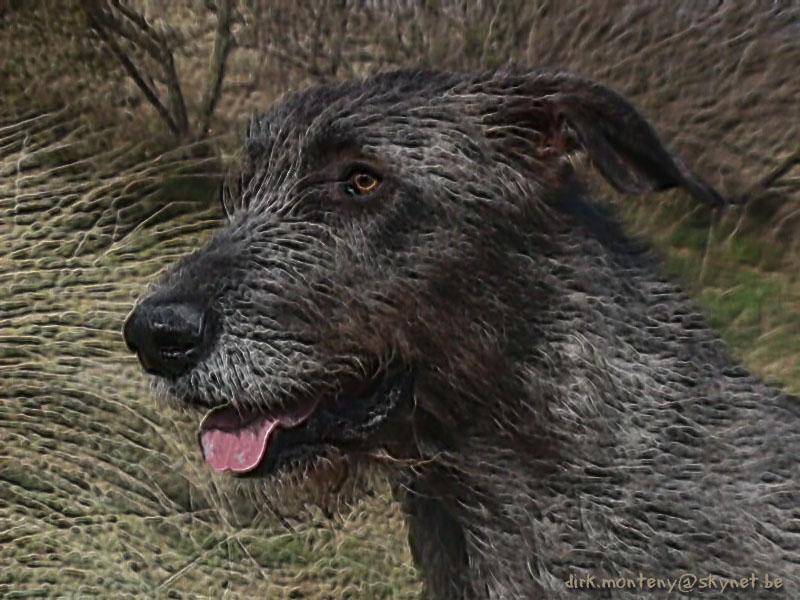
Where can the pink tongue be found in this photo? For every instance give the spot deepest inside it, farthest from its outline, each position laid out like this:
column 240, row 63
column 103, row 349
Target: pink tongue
column 232, row 444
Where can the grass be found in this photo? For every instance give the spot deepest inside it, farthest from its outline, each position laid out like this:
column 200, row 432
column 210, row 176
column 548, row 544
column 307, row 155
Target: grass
column 745, row 281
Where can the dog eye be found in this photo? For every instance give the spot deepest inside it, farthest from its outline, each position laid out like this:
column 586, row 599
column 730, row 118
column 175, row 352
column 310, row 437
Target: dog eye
column 361, row 183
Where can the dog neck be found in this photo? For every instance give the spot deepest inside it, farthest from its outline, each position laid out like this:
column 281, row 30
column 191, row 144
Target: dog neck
column 469, row 547
column 604, row 449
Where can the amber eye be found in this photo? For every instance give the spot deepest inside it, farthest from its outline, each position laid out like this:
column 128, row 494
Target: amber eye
column 361, row 183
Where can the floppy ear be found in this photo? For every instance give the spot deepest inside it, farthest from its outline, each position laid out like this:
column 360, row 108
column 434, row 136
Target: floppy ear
column 619, row 141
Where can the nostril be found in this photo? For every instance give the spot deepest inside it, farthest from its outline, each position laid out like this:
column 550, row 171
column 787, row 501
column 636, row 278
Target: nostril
column 177, row 352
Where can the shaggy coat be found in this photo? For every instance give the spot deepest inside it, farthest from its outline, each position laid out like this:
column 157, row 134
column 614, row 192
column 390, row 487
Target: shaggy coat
column 568, row 416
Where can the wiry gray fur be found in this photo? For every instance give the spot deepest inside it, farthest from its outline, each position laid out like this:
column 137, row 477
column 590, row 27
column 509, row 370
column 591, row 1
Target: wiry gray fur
column 573, row 414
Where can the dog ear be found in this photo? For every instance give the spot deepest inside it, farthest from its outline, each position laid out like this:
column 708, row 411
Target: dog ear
column 574, row 113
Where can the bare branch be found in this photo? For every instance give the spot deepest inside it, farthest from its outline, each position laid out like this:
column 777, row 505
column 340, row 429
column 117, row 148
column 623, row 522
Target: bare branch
column 223, row 44
column 126, row 23
column 136, row 29
column 98, row 23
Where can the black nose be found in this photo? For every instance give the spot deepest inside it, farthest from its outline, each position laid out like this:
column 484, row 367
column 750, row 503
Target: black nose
column 169, row 338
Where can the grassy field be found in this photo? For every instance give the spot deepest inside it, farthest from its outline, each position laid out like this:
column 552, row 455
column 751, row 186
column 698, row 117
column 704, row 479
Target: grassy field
column 101, row 491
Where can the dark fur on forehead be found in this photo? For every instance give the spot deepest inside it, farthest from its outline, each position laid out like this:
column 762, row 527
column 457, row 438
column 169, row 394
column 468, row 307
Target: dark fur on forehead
column 529, row 120
column 389, row 89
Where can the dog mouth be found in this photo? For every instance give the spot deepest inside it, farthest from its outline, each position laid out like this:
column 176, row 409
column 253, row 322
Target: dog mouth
column 257, row 443
column 237, row 442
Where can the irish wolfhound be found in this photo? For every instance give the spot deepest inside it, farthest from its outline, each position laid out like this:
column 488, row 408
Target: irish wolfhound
column 411, row 275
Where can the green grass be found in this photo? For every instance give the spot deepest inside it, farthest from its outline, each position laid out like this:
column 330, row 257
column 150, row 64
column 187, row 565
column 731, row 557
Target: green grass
column 745, row 281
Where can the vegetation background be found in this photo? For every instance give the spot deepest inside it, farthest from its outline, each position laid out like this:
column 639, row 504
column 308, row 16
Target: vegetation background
column 117, row 120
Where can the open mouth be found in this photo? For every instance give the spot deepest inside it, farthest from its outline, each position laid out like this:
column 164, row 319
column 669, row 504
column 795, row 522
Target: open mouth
column 258, row 443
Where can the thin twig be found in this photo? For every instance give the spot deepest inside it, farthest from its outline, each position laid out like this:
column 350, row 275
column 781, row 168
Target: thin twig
column 99, row 25
column 134, row 28
column 769, row 180
column 223, row 44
